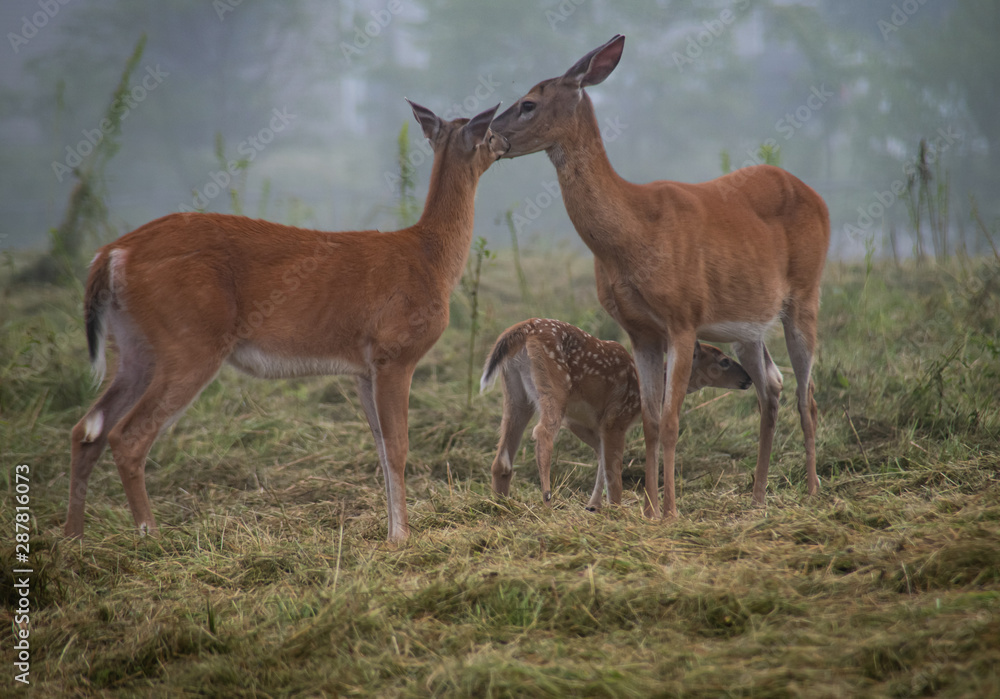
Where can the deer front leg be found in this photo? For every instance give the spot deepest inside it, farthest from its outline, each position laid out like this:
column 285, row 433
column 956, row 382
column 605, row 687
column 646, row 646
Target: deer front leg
column 366, row 392
column 391, row 394
column 678, row 374
column 648, row 355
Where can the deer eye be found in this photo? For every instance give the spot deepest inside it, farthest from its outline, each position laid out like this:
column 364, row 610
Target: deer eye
column 725, row 363
column 527, row 107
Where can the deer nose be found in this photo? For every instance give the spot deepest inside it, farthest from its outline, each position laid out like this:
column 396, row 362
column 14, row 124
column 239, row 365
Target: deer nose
column 747, row 383
column 504, row 143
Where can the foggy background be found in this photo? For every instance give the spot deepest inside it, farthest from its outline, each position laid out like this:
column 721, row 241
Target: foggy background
column 308, row 94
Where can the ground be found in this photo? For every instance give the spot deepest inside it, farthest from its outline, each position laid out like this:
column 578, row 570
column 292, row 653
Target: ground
column 271, row 576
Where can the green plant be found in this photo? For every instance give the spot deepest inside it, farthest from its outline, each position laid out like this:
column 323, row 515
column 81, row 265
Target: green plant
column 237, row 179
column 265, row 198
column 470, row 286
column 522, row 280
column 769, row 154
column 869, row 264
column 407, row 208
column 981, row 226
column 921, row 202
column 87, row 218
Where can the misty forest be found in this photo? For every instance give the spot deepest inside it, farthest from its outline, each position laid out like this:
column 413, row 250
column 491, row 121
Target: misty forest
column 271, row 574
column 292, row 111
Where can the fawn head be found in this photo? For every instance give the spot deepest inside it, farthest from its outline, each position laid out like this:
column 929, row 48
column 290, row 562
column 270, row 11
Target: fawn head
column 471, row 140
column 539, row 120
column 711, row 367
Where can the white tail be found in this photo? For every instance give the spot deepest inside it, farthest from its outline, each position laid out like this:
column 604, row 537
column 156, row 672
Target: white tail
column 587, row 385
column 721, row 261
column 188, row 292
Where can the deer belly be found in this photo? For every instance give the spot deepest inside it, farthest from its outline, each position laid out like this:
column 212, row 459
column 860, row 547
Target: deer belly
column 736, row 331
column 580, row 414
column 255, row 361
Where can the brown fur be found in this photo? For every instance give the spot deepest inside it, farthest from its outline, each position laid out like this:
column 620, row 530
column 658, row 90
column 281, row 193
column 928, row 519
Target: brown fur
column 722, row 261
column 585, row 384
column 188, row 292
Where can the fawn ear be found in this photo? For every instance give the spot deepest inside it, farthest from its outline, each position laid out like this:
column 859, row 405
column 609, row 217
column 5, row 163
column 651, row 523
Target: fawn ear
column 597, row 65
column 429, row 121
column 475, row 130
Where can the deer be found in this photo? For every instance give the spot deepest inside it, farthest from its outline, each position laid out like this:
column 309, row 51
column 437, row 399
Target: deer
column 721, row 261
column 587, row 385
column 189, row 292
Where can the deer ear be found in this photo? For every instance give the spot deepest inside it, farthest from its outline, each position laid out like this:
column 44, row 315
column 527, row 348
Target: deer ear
column 428, row 120
column 475, row 131
column 597, row 65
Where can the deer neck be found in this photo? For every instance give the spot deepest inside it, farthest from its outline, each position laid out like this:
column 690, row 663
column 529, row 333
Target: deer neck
column 445, row 226
column 590, row 186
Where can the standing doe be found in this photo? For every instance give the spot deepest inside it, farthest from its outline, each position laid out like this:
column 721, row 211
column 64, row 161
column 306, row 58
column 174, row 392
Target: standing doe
column 721, row 261
column 188, row 292
column 588, row 385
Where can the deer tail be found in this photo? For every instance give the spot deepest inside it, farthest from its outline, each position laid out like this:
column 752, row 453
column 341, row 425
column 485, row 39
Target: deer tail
column 96, row 301
column 510, row 342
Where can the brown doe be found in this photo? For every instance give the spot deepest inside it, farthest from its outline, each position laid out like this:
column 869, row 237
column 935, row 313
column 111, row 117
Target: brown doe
column 588, row 385
column 721, row 261
column 188, row 292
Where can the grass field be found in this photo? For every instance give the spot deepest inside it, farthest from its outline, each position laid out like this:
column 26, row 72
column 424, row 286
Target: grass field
column 271, row 576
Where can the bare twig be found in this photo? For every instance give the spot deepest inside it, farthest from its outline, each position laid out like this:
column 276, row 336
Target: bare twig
column 861, row 445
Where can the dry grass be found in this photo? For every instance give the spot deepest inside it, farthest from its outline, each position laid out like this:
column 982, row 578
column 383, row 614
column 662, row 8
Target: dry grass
column 272, row 578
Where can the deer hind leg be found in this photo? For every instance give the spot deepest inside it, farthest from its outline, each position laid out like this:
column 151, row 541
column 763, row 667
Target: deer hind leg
column 517, row 412
column 544, row 435
column 163, row 402
column 391, row 394
column 767, row 380
column 648, row 355
column 90, row 435
column 800, row 338
column 550, row 388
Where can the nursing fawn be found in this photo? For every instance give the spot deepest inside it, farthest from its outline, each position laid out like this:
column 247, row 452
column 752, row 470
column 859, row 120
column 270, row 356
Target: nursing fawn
column 587, row 385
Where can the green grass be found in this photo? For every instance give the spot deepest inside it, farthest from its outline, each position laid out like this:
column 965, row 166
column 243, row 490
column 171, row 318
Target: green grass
column 271, row 576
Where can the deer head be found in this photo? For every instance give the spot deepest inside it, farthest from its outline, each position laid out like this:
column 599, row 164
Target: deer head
column 547, row 115
column 472, row 138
